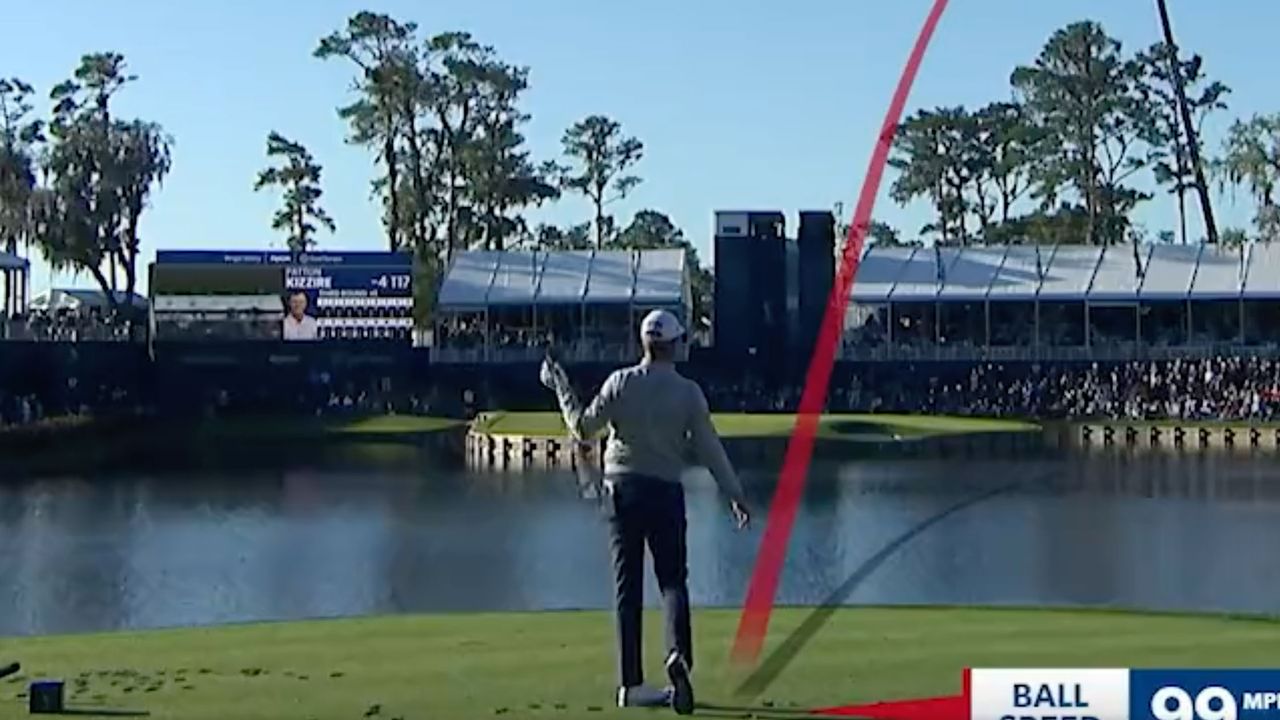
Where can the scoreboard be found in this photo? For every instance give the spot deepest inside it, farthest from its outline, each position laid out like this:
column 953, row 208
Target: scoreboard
column 279, row 295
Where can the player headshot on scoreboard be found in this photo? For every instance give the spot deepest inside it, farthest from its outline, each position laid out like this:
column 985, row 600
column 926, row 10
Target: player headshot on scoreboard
column 297, row 324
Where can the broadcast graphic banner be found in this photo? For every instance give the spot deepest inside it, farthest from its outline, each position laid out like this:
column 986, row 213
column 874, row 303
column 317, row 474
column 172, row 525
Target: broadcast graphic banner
column 1091, row 694
column 266, row 295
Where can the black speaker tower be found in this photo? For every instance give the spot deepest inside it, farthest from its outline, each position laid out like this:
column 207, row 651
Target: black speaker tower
column 816, row 272
column 751, row 287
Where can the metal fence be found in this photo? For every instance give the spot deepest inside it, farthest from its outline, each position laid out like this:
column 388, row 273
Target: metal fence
column 1114, row 352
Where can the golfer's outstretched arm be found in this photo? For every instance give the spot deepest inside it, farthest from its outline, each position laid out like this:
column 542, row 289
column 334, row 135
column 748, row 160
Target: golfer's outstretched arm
column 585, row 423
column 710, row 451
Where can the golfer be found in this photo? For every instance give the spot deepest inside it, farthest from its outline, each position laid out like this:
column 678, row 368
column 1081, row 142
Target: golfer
column 652, row 413
column 297, row 324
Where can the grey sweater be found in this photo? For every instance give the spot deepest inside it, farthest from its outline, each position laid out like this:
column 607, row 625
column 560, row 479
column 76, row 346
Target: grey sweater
column 653, row 413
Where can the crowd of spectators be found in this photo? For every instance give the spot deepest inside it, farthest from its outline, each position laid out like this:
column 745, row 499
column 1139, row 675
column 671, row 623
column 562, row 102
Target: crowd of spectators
column 68, row 326
column 1227, row 388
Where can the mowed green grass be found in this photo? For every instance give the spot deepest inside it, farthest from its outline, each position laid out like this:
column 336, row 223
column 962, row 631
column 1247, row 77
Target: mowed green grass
column 781, row 425
column 310, row 427
column 560, row 665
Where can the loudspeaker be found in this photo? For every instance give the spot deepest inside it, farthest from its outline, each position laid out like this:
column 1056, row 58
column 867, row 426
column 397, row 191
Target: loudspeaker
column 816, row 273
column 731, row 326
column 751, row 286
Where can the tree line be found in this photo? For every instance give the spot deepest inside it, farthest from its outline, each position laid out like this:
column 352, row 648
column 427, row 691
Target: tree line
column 75, row 183
column 442, row 116
column 1063, row 159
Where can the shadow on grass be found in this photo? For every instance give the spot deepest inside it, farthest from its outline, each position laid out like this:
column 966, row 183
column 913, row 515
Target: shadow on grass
column 773, row 665
column 741, row 711
column 860, row 427
column 102, row 712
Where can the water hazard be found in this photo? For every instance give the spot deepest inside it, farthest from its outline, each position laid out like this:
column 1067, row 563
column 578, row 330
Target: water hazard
column 315, row 538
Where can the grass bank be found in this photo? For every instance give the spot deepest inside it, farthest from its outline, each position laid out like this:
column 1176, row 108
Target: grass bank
column 248, row 427
column 130, row 441
column 751, row 425
column 309, row 428
column 560, row 665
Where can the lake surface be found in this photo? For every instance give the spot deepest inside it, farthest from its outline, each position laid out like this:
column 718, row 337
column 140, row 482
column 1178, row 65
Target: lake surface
column 325, row 537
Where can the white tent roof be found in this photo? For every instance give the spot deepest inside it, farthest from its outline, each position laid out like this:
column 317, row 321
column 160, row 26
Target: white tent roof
column 1263, row 275
column 467, row 283
column 564, row 277
column 1117, row 277
column 516, row 280
column 1019, row 277
column 878, row 271
column 660, row 276
column 1170, row 270
column 479, row 279
column 1218, row 273
column 1071, row 273
column 612, row 278
column 921, row 279
column 970, row 276
column 78, row 298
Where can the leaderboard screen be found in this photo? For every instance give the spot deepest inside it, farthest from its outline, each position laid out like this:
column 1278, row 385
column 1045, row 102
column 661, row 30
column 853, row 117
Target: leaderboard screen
column 307, row 297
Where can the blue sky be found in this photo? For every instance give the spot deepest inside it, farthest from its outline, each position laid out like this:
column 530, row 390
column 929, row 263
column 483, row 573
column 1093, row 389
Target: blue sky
column 741, row 104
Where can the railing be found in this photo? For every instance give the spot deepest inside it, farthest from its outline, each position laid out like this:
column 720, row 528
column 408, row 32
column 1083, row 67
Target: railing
column 19, row 330
column 1113, row 352
column 513, row 355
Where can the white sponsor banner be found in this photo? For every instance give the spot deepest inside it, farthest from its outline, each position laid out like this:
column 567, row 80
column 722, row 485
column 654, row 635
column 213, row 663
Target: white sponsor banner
column 1049, row 694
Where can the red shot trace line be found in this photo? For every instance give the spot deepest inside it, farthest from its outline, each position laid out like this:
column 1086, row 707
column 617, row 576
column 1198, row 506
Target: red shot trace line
column 754, row 623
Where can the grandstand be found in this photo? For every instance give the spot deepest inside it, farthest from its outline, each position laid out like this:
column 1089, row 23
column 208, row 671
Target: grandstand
column 507, row 306
column 1064, row 302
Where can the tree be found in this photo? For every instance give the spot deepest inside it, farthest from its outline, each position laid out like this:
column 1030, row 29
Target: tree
column 101, row 173
column 1171, row 155
column 1013, row 146
column 1252, row 157
column 602, row 155
column 501, row 176
column 1084, row 94
column 384, row 114
column 297, row 175
column 552, row 237
column 650, row 229
column 1189, row 123
column 884, row 234
column 1234, row 237
column 19, row 138
column 924, row 147
column 456, row 67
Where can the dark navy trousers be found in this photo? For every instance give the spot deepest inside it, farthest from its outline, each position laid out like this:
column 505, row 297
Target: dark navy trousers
column 648, row 511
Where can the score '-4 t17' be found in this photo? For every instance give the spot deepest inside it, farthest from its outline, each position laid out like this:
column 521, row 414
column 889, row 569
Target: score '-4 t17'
column 391, row 282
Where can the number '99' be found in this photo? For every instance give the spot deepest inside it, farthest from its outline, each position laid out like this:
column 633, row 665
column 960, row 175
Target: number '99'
column 1211, row 703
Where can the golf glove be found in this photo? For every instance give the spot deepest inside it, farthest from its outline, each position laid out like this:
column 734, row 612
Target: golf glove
column 553, row 377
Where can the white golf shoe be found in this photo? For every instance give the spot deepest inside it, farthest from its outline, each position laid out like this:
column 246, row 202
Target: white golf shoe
column 643, row 696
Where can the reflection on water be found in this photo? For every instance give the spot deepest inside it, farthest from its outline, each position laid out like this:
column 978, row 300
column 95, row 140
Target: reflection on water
column 322, row 540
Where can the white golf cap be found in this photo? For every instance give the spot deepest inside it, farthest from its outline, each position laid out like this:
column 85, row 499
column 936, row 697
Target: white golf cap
column 661, row 326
